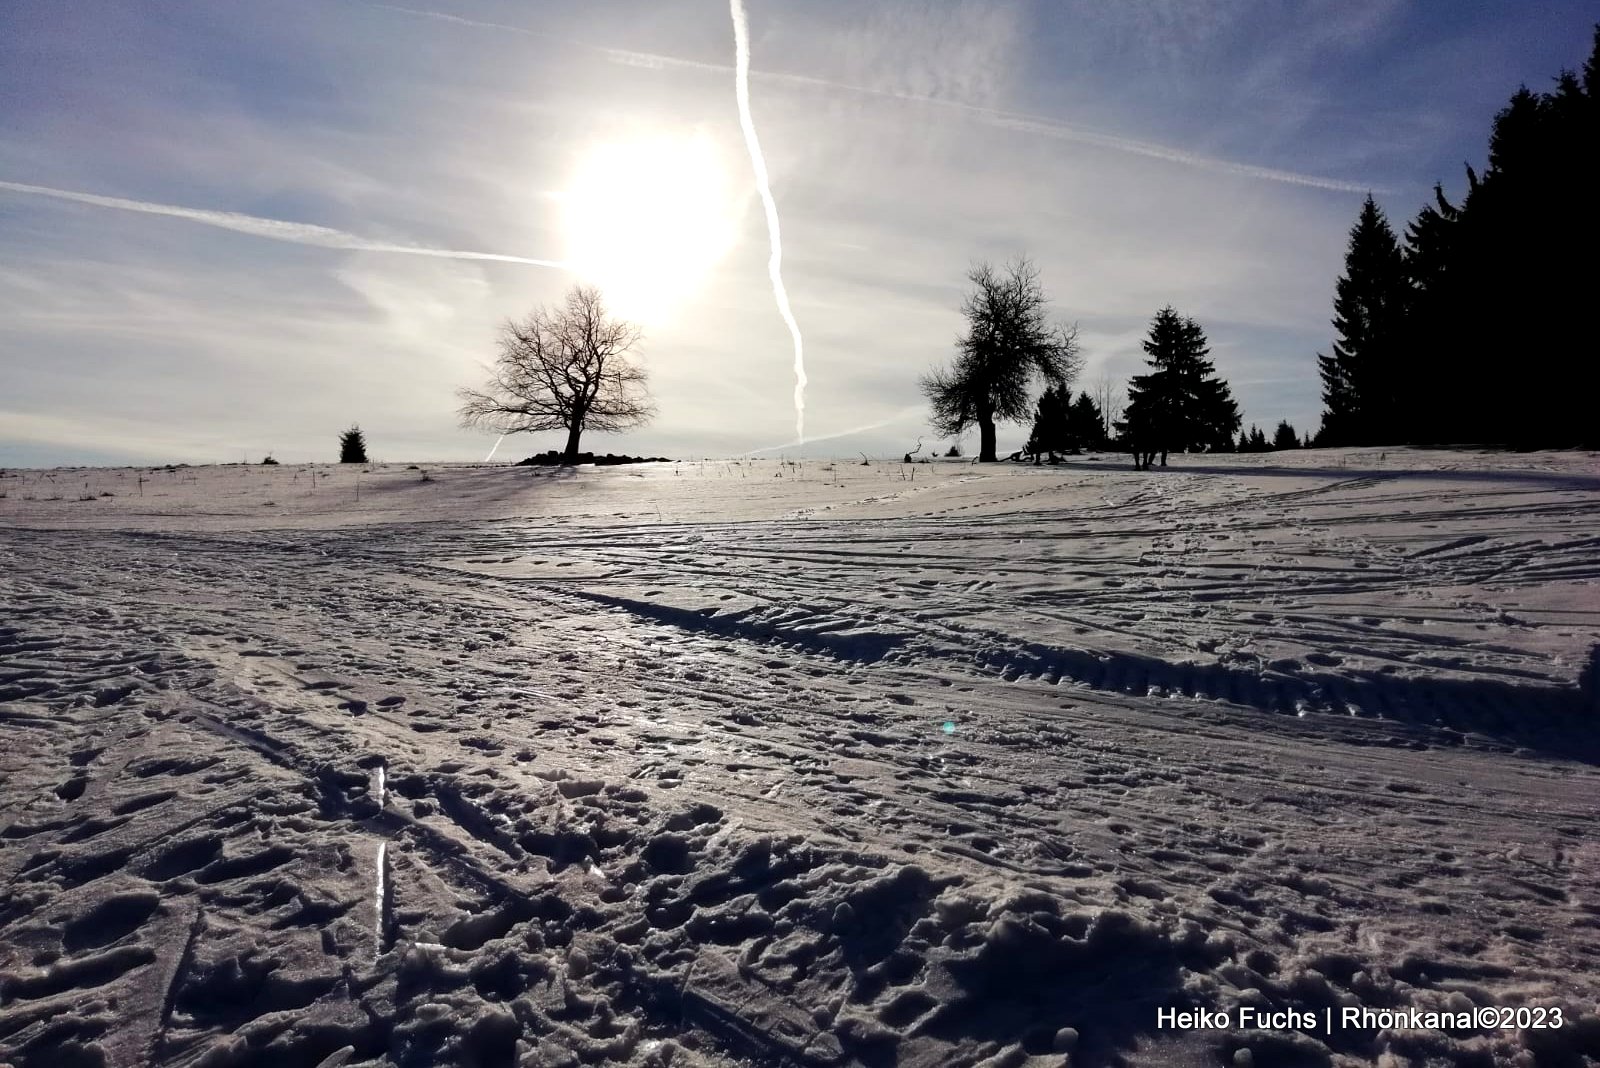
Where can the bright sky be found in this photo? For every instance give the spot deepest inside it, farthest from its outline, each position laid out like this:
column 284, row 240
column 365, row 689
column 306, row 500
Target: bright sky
column 230, row 228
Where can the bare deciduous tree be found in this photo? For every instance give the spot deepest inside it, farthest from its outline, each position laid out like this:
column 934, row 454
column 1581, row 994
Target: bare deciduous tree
column 1009, row 341
column 563, row 368
column 1109, row 396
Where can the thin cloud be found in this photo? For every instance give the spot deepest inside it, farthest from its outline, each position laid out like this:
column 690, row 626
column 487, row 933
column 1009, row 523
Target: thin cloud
column 1001, row 119
column 296, row 233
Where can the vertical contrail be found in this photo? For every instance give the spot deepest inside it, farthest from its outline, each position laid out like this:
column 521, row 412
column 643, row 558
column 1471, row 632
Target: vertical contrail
column 741, row 45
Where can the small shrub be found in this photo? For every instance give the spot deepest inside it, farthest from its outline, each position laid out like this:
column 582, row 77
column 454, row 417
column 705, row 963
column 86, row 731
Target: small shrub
column 267, row 459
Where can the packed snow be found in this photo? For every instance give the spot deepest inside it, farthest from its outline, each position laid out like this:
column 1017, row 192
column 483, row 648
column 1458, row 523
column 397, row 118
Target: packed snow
column 799, row 762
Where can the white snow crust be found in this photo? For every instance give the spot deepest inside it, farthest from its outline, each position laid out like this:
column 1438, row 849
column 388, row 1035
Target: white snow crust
column 798, row 762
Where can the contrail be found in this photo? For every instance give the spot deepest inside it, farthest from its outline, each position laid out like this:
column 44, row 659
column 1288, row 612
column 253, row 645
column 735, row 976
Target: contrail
column 274, row 229
column 1006, row 120
column 496, row 448
column 899, row 416
column 741, row 45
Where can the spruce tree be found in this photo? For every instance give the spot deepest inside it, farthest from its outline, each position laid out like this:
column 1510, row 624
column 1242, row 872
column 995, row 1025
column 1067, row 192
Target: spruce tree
column 1285, row 437
column 1359, row 380
column 1433, row 322
column 1085, row 425
column 1050, row 431
column 1181, row 405
column 1218, row 416
column 1591, row 69
column 352, row 447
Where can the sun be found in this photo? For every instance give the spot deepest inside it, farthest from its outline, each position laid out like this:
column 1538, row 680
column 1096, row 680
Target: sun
column 646, row 219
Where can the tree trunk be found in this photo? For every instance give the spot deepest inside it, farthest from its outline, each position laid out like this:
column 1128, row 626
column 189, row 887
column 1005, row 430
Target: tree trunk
column 986, row 440
column 570, row 455
column 1163, row 457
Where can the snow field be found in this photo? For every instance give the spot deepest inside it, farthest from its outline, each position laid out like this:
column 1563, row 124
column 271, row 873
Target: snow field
column 653, row 767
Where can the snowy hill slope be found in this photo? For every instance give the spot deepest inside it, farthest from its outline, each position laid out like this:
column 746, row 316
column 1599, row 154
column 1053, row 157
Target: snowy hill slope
column 798, row 763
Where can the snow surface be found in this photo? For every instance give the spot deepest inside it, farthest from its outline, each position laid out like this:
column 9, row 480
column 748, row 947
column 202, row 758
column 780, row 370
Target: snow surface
column 797, row 763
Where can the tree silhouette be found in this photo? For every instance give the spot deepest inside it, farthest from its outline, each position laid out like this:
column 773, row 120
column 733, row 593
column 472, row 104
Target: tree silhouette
column 1285, row 437
column 1108, row 397
column 1007, row 344
column 563, row 368
column 1050, row 433
column 1359, row 390
column 1253, row 440
column 1513, row 288
column 1181, row 405
column 1496, row 278
column 1434, row 326
column 352, row 446
column 1085, row 425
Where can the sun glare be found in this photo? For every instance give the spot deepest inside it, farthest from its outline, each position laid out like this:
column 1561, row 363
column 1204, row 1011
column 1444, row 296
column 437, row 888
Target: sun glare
column 646, row 219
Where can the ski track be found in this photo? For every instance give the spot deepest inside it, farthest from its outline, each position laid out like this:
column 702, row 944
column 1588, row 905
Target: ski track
column 634, row 790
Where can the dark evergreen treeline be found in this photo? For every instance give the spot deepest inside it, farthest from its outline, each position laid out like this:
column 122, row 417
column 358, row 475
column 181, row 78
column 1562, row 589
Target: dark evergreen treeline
column 1475, row 327
column 1253, row 440
column 1063, row 425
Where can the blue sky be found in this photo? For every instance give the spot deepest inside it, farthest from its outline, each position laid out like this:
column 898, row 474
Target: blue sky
column 230, row 228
